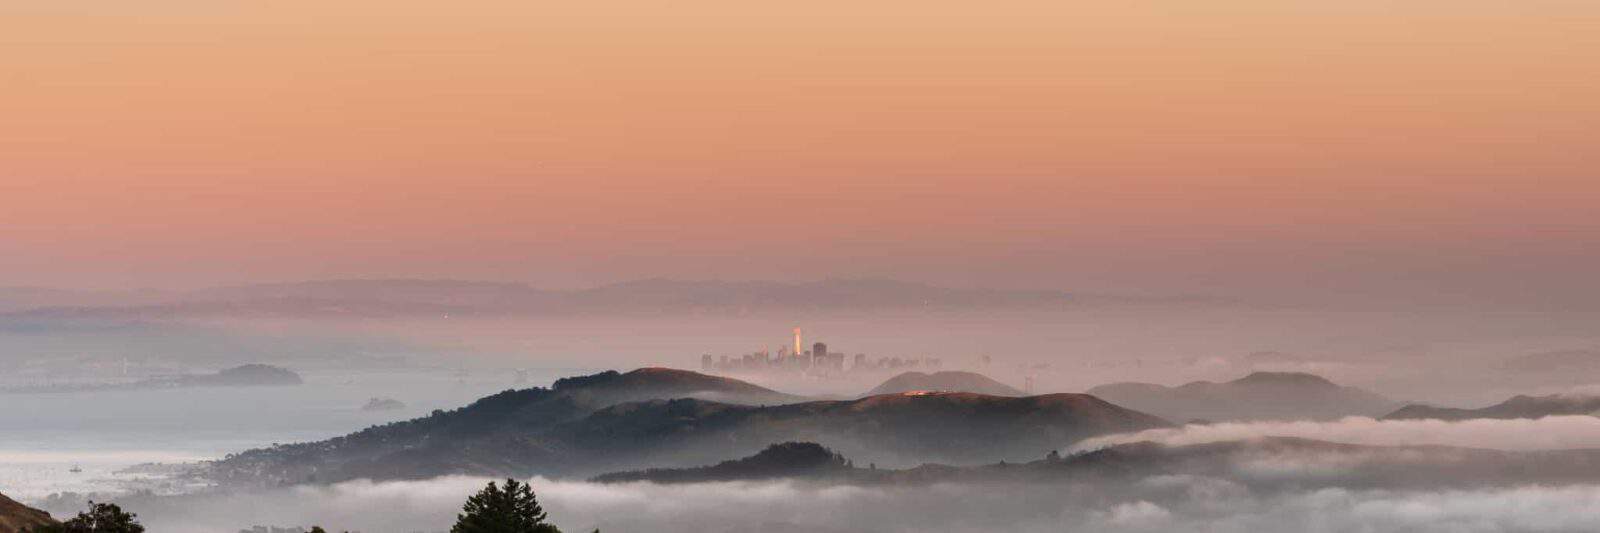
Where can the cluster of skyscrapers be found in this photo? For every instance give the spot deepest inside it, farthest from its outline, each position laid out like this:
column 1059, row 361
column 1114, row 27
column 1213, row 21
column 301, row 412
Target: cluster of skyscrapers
column 819, row 360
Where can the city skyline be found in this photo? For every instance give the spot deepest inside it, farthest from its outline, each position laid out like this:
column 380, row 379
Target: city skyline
column 941, row 266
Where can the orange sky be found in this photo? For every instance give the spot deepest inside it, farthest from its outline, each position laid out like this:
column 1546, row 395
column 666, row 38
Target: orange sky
column 1166, row 145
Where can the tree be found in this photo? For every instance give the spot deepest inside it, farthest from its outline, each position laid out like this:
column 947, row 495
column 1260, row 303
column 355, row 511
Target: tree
column 100, row 518
column 510, row 510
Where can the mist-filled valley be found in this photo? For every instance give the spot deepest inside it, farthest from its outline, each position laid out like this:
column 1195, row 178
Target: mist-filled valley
column 723, row 266
column 961, row 414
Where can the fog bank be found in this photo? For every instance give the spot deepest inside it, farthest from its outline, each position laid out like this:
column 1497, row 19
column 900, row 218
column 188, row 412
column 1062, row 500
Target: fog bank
column 1549, row 433
column 1165, row 503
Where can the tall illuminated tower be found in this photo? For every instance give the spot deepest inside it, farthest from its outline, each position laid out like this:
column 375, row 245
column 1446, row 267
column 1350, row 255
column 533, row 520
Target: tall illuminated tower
column 797, row 349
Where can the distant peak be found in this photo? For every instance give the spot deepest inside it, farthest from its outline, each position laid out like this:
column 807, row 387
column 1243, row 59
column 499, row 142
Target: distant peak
column 793, row 449
column 1284, row 378
column 578, row 382
column 660, row 370
column 946, row 380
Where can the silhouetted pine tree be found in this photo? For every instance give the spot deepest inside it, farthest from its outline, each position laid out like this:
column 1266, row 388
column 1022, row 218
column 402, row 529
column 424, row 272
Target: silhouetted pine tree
column 510, row 510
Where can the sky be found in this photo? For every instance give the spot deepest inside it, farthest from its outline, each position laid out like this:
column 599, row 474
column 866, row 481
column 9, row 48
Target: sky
column 1423, row 150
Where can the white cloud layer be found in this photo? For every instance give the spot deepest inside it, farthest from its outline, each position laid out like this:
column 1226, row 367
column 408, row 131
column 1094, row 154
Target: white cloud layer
column 1549, row 433
column 1160, row 504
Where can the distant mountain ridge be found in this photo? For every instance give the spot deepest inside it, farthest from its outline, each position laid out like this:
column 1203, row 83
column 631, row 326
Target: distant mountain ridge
column 1520, row 406
column 402, row 297
column 249, row 375
column 949, row 381
column 1257, row 396
column 658, row 417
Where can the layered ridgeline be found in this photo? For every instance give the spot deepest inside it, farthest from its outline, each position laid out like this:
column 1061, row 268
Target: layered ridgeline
column 1258, row 396
column 16, row 517
column 659, row 417
column 950, row 381
column 1263, row 463
column 251, row 375
column 1519, row 406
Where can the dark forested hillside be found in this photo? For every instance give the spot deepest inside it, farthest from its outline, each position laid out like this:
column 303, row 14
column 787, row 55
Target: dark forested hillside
column 656, row 417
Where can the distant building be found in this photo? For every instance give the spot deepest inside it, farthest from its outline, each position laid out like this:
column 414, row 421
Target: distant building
column 818, row 362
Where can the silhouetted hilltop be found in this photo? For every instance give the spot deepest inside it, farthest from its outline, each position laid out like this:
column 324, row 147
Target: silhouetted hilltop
column 1284, row 379
column 574, row 429
column 789, row 459
column 612, row 387
column 255, row 375
column 951, row 381
column 420, row 447
column 1258, row 396
column 1519, row 406
column 908, row 427
column 15, row 517
column 1238, row 461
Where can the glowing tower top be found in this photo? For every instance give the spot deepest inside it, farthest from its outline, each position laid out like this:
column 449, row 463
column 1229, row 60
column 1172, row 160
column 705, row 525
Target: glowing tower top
column 797, row 348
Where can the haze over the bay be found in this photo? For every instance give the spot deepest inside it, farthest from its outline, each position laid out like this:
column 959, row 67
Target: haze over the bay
column 895, row 266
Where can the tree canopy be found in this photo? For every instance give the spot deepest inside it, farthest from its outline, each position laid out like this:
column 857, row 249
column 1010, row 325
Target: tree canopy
column 512, row 509
column 100, row 518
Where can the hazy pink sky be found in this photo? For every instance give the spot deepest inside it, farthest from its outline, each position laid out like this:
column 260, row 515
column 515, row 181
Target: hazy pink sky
column 1426, row 147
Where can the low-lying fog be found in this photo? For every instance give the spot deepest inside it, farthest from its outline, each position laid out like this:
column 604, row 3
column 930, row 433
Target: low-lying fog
column 1548, row 433
column 1451, row 357
column 1277, row 491
column 45, row 435
column 1457, row 358
column 1168, row 503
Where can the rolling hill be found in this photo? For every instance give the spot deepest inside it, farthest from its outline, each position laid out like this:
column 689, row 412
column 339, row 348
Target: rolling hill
column 612, row 387
column 907, row 428
column 598, row 423
column 15, row 517
column 1263, row 463
column 785, row 460
column 1519, row 406
column 949, row 381
column 1258, row 396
